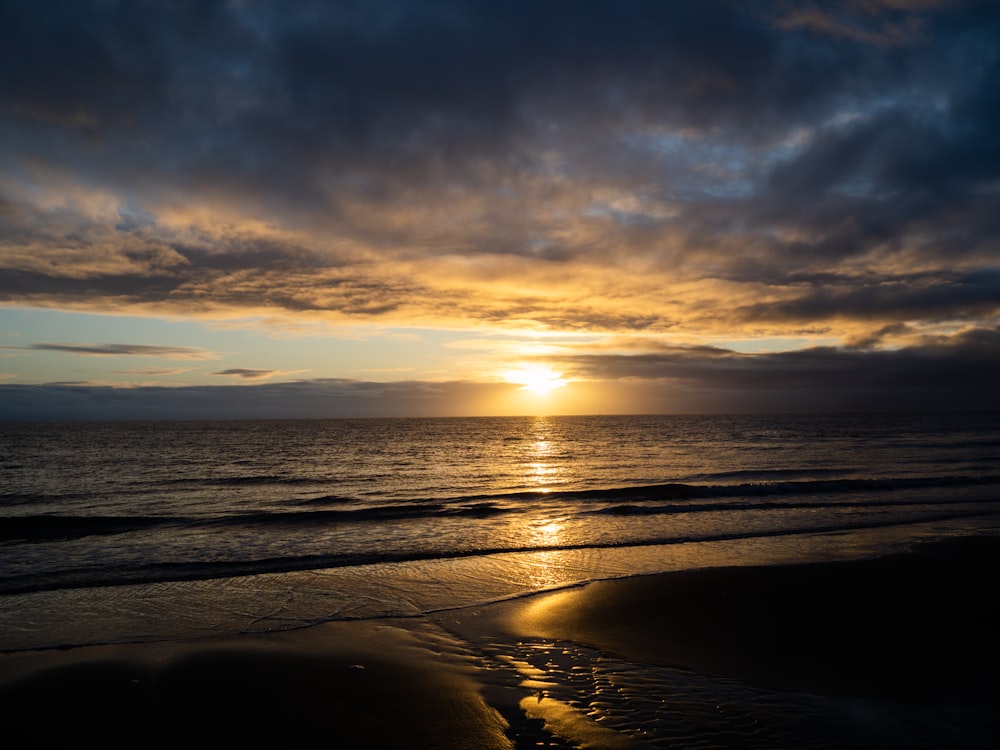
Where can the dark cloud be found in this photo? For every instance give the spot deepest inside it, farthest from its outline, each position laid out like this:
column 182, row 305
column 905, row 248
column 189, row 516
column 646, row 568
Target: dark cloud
column 154, row 371
column 126, row 350
column 246, row 373
column 930, row 297
column 48, row 288
column 694, row 168
column 325, row 398
column 272, row 98
column 950, row 372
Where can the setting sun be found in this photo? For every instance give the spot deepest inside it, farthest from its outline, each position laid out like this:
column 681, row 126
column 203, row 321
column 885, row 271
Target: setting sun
column 539, row 379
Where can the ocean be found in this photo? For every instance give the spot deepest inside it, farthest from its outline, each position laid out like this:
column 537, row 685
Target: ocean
column 135, row 531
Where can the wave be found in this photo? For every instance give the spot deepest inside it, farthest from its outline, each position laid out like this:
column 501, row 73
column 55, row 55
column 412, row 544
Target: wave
column 820, row 486
column 11, row 499
column 44, row 528
column 647, row 510
column 241, row 480
column 685, row 491
column 205, row 570
column 372, row 513
column 638, row 500
column 328, row 500
column 765, row 474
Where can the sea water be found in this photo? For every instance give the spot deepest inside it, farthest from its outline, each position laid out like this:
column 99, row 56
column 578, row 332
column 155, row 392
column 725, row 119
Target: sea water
column 119, row 531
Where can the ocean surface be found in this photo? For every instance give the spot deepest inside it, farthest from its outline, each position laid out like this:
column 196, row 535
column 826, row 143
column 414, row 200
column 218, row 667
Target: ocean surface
column 117, row 532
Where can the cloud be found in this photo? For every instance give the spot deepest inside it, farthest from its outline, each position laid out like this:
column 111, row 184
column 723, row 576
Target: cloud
column 687, row 170
column 248, row 374
column 320, row 398
column 931, row 297
column 126, row 350
column 957, row 371
column 154, row 371
column 886, row 24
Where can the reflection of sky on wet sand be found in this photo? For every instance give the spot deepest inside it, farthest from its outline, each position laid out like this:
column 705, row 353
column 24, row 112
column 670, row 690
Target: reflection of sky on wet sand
column 544, row 570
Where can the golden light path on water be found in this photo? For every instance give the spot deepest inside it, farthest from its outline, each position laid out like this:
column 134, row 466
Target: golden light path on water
column 545, row 532
column 543, row 472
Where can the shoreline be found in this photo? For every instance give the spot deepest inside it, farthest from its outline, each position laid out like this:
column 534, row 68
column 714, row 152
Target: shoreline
column 184, row 610
column 910, row 628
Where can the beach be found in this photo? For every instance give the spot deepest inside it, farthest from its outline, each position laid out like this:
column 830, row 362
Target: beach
column 896, row 650
column 358, row 684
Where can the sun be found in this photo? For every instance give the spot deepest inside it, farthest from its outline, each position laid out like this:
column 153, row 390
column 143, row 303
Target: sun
column 538, row 379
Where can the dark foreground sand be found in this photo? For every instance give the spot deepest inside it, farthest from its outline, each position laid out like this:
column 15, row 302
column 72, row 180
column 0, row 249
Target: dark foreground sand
column 918, row 627
column 915, row 630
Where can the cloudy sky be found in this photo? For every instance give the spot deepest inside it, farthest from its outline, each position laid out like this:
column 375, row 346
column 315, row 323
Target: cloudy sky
column 243, row 208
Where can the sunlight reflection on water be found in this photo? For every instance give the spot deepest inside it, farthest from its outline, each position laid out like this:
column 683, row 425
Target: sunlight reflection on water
column 542, row 469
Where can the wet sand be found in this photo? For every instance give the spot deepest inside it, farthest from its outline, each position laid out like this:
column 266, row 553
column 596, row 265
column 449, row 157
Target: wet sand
column 915, row 627
column 733, row 657
column 352, row 685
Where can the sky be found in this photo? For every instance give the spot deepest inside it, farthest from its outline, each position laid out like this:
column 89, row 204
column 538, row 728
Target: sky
column 242, row 209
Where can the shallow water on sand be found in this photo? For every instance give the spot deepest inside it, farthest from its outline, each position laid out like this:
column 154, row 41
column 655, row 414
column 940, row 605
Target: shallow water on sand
column 282, row 601
column 655, row 706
